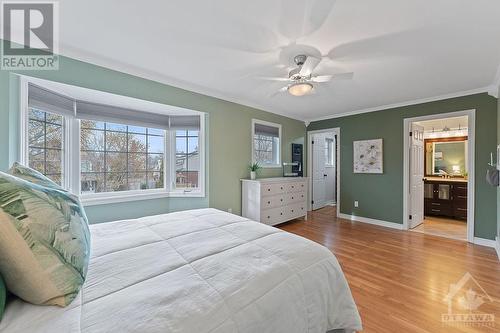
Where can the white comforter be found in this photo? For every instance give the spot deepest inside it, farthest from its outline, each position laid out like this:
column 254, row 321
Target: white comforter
column 199, row 271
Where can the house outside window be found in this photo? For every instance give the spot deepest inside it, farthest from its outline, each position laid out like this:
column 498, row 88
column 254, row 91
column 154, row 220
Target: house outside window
column 266, row 148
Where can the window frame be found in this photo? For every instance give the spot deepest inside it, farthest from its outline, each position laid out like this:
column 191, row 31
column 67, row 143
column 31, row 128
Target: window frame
column 279, row 146
column 71, row 161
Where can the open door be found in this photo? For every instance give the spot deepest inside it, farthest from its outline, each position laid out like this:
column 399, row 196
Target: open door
column 416, row 175
column 319, row 172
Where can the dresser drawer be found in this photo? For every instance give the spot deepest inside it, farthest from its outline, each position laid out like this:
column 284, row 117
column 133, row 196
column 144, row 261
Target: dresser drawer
column 272, row 189
column 295, row 197
column 273, row 201
column 274, row 215
column 295, row 187
column 295, row 210
column 460, row 190
column 460, row 213
column 439, row 210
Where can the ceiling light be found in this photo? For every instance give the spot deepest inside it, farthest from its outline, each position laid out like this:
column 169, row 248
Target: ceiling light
column 300, row 88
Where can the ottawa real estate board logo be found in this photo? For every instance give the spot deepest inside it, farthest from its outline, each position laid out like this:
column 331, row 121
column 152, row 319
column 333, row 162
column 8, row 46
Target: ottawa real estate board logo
column 30, row 34
column 464, row 301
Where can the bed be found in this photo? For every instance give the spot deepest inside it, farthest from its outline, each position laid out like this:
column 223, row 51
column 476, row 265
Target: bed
column 199, row 271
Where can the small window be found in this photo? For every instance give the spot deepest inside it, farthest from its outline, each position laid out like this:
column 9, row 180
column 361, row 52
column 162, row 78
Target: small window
column 45, row 144
column 330, row 152
column 266, row 149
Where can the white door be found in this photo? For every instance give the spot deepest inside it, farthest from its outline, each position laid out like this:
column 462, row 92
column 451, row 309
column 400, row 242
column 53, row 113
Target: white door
column 416, row 175
column 319, row 172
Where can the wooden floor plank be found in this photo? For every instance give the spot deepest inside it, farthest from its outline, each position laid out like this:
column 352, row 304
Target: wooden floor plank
column 399, row 279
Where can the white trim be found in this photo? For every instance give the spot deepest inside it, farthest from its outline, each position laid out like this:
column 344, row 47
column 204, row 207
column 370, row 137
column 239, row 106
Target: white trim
column 493, row 91
column 379, row 223
column 267, row 123
column 470, row 168
column 406, row 103
column 127, row 196
column 495, row 86
column 335, row 131
column 497, row 247
column 485, row 242
column 23, row 121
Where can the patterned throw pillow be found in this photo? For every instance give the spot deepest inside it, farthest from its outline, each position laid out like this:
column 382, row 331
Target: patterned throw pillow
column 32, row 176
column 44, row 242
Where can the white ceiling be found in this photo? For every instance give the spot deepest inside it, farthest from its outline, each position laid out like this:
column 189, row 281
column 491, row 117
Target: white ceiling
column 399, row 51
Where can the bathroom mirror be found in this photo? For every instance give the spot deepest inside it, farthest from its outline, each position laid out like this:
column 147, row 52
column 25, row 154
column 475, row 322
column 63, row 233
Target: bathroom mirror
column 446, row 157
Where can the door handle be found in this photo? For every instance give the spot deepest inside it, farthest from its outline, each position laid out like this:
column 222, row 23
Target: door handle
column 325, row 175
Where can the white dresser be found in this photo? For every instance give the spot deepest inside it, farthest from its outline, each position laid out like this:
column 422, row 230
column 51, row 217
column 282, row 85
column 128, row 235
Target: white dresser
column 274, row 200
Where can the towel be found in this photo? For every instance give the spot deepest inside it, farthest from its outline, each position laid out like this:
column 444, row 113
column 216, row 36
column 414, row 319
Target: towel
column 492, row 177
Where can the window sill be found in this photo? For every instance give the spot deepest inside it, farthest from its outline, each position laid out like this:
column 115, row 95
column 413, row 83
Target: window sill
column 109, row 198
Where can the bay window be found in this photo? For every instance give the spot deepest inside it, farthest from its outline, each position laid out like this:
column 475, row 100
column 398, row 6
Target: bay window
column 106, row 153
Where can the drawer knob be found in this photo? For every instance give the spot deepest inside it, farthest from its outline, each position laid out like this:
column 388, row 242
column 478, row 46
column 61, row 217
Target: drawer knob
column 302, row 196
column 268, row 216
column 269, row 202
column 281, row 213
column 292, row 198
column 281, row 199
column 268, row 190
column 292, row 210
column 281, row 187
column 293, row 186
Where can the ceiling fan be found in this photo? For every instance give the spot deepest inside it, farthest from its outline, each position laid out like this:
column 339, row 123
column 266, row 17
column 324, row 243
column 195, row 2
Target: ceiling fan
column 301, row 78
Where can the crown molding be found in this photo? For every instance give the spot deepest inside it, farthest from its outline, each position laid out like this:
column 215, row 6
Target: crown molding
column 495, row 86
column 487, row 89
column 108, row 63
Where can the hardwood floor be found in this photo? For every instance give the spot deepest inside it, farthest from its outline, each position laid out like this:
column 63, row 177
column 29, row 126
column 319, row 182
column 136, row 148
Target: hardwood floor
column 444, row 227
column 399, row 279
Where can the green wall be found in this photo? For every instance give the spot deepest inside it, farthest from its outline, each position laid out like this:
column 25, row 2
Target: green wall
column 381, row 196
column 228, row 124
column 498, row 189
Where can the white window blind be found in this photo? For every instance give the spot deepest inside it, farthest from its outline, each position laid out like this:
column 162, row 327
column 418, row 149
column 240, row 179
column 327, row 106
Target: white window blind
column 48, row 101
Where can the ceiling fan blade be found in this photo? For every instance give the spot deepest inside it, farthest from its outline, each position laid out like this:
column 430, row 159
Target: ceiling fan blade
column 321, row 78
column 279, row 91
column 309, row 65
column 328, row 78
column 281, row 79
column 302, row 18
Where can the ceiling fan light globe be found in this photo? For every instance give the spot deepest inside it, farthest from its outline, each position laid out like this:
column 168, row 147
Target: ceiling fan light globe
column 300, row 89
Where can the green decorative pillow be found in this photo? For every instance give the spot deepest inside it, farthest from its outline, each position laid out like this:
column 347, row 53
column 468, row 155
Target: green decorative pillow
column 32, row 176
column 44, row 242
column 3, row 297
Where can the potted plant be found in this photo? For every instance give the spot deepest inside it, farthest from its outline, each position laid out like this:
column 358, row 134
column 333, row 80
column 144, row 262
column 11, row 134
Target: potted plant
column 254, row 167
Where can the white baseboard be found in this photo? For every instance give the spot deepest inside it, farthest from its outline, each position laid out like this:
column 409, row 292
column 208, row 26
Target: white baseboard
column 372, row 221
column 485, row 242
column 497, row 247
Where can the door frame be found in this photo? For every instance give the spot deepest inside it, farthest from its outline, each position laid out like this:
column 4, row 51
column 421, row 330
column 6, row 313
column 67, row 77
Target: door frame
column 470, row 167
column 335, row 131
